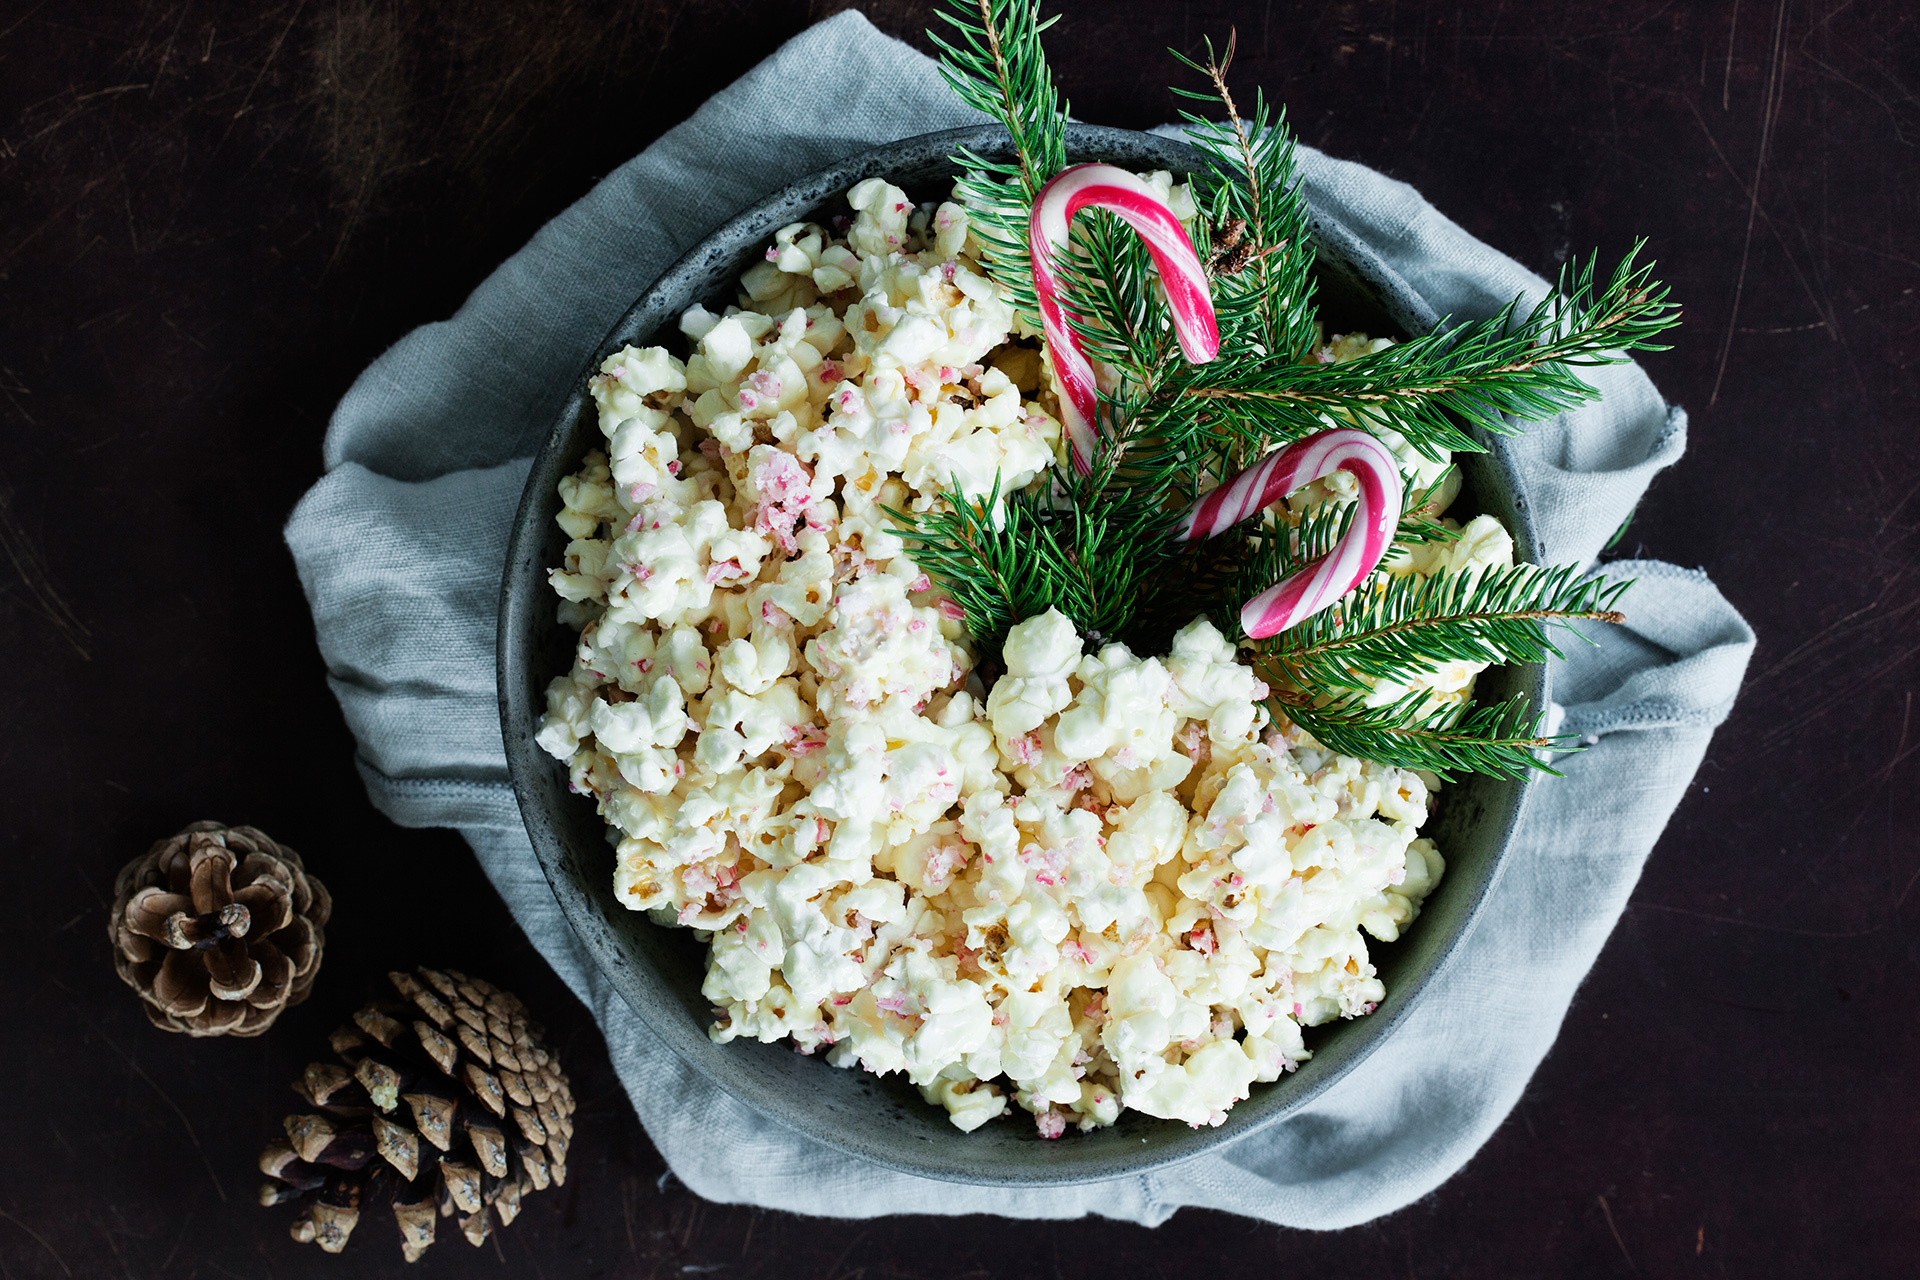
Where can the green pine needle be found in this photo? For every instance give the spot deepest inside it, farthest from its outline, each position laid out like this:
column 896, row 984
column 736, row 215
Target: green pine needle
column 1263, row 260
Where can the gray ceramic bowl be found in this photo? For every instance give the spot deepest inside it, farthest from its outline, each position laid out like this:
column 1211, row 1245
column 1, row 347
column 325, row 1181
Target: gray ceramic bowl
column 659, row 970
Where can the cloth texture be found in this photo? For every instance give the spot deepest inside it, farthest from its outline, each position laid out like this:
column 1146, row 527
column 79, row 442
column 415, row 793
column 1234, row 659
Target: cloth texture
column 400, row 547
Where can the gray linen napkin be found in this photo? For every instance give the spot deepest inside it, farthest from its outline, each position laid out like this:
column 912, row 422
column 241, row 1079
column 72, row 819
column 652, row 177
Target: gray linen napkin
column 401, row 544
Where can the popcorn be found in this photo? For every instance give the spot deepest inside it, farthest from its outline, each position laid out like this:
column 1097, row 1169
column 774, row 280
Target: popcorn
column 1101, row 882
column 632, row 382
column 1040, row 654
column 641, row 735
column 881, row 648
column 1121, row 709
column 881, row 226
column 969, row 1103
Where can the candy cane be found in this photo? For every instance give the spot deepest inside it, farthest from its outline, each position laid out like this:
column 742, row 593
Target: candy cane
column 1102, row 186
column 1299, row 596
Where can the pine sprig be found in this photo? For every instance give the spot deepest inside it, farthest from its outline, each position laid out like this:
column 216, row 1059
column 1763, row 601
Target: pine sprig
column 1262, row 255
column 1098, row 547
column 1412, row 625
column 1006, row 559
column 1434, row 390
column 1252, row 230
column 1502, row 740
column 996, row 65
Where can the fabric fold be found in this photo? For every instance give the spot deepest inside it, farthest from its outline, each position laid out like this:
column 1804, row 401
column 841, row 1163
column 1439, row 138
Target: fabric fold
column 400, row 548
column 1676, row 661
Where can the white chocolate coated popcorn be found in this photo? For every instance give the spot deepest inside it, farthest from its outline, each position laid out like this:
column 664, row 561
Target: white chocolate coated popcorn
column 1102, row 883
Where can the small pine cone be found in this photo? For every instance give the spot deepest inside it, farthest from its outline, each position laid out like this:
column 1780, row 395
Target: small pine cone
column 443, row 1102
column 218, row 929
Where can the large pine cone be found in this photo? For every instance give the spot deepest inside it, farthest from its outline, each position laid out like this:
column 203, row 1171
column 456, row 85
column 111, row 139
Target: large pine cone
column 449, row 1102
column 218, row 929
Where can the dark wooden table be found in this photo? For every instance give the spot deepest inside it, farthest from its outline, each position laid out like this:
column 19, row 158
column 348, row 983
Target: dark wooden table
column 213, row 214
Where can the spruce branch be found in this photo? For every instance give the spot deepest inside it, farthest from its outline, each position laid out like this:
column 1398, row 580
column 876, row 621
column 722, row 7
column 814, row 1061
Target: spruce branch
column 1433, row 390
column 997, row 66
column 1501, row 740
column 1006, row 558
column 1098, row 546
column 1413, row 625
column 1216, row 71
column 1262, row 253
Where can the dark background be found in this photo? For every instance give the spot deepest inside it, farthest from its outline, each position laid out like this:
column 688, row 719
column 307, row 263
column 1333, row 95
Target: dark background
column 212, row 215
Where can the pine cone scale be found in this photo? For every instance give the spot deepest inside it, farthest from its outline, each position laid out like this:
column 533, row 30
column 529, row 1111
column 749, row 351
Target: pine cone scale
column 232, row 973
column 475, row 1044
column 530, row 1125
column 398, row 1146
column 281, row 1161
column 535, row 1161
column 332, row 1224
column 156, row 913
column 463, row 1184
column 382, row 1083
column 223, row 1017
column 138, row 954
column 182, row 987
column 268, row 904
column 309, row 1136
column 438, row 1047
column 433, row 1117
column 322, row 1082
column 212, row 866
column 311, row 899
column 417, row 1222
column 491, row 1146
column 379, row 1024
column 276, row 976
column 508, row 1204
column 486, row 1088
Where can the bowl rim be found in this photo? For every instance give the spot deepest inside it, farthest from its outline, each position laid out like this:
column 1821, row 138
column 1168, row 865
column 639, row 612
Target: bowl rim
column 522, row 579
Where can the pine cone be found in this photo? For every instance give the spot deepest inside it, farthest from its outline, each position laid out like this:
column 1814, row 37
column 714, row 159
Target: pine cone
column 448, row 1102
column 218, row 929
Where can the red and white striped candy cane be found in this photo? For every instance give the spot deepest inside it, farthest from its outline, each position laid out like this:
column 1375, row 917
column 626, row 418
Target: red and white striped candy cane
column 1299, row 596
column 1102, row 186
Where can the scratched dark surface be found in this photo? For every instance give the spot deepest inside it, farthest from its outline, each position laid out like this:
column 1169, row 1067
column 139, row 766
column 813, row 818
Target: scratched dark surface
column 213, row 214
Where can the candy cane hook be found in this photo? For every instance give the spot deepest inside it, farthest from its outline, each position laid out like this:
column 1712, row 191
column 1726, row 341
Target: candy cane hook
column 1299, row 596
column 1102, row 186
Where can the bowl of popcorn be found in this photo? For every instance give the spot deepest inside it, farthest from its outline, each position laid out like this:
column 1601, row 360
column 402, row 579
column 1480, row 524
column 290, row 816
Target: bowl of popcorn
column 1004, row 899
